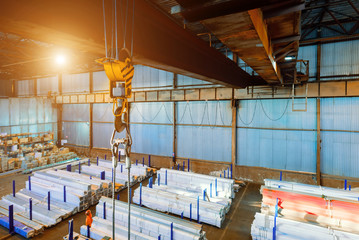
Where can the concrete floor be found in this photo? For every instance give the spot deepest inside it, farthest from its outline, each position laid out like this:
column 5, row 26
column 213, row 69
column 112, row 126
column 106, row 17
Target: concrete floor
column 236, row 225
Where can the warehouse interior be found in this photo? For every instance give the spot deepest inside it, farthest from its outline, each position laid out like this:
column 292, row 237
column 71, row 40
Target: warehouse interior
column 179, row 119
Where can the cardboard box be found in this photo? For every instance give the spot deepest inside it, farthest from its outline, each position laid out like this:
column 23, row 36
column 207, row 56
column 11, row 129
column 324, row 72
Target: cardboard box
column 9, row 142
column 14, row 139
column 23, row 140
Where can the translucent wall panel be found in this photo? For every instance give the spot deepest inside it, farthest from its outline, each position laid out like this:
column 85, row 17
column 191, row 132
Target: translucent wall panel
column 278, row 149
column 340, row 58
column 4, row 110
column 339, row 153
column 76, row 133
column 204, row 143
column 102, row 133
column 309, row 53
column 14, row 111
column 44, row 85
column 40, row 102
column 152, row 139
column 76, row 112
column 102, row 112
column 32, row 109
column 184, row 80
column 25, row 87
column 152, row 112
column 100, row 82
column 76, row 83
column 276, row 113
column 145, row 77
column 208, row 113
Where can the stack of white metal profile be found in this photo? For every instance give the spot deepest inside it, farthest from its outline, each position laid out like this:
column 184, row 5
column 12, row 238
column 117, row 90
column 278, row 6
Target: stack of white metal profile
column 196, row 182
column 262, row 229
column 139, row 171
column 194, row 208
column 145, row 223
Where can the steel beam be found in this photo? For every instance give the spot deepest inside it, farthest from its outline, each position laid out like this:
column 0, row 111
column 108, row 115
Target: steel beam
column 158, row 41
column 204, row 10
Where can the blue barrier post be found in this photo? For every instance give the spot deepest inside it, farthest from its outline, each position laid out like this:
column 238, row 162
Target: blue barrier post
column 215, row 188
column 30, row 207
column 181, row 215
column 88, row 162
column 64, row 193
column 159, row 237
column 227, row 172
column 13, row 188
column 11, row 219
column 130, row 195
column 103, row 175
column 275, row 221
column 345, row 184
column 204, row 195
column 178, row 166
column 281, row 175
column 150, row 183
column 188, row 165
column 166, row 178
column 68, row 168
column 48, row 200
column 121, row 168
column 140, row 194
column 105, row 156
column 190, row 211
column 224, row 173
column 71, row 229
column 143, row 162
column 198, row 209
column 118, row 197
column 159, row 179
column 171, row 231
column 79, row 167
column 231, row 171
column 88, row 231
column 136, row 162
column 104, row 210
column 220, row 175
column 90, row 177
column 30, row 183
column 184, row 163
column 210, row 191
column 97, row 161
column 149, row 160
column 350, row 187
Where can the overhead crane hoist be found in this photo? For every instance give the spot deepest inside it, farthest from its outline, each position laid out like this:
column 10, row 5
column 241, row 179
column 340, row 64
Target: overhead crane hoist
column 119, row 70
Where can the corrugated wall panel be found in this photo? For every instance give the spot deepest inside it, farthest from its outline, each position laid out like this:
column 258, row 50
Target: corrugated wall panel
column 184, row 80
column 4, row 109
column 205, row 143
column 309, row 53
column 100, row 82
column 76, row 112
column 44, row 85
column 340, row 150
column 102, row 112
column 276, row 113
column 152, row 112
column 278, row 149
column 146, row 77
column 76, row 133
column 340, row 58
column 25, row 88
column 76, row 83
column 102, row 134
column 14, row 111
column 152, row 139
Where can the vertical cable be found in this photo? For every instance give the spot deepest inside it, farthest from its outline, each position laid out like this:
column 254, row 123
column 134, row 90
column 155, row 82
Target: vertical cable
column 104, row 23
column 116, row 28
column 133, row 26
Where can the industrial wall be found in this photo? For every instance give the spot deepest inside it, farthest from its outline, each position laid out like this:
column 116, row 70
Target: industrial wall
column 27, row 115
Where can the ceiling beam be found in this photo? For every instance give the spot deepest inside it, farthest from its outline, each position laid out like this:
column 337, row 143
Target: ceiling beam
column 212, row 9
column 289, row 8
column 158, row 41
column 286, row 39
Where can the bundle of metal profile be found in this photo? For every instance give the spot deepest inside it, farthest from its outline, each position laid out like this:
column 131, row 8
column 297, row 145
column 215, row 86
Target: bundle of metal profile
column 196, row 182
column 263, row 229
column 328, row 207
column 145, row 223
column 198, row 209
column 209, row 194
column 140, row 171
column 99, row 187
column 96, row 171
